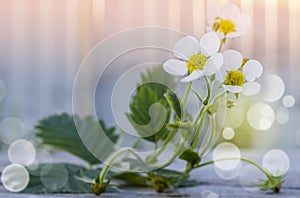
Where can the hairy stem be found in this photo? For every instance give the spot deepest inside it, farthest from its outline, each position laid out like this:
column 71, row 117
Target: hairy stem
column 136, row 142
column 187, row 93
column 200, row 117
column 212, row 133
column 223, row 41
column 112, row 158
column 264, row 171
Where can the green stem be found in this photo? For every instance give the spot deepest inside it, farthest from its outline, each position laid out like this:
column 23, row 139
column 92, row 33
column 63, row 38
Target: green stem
column 198, row 96
column 90, row 166
column 210, row 140
column 264, row 171
column 169, row 161
column 155, row 146
column 113, row 157
column 168, row 139
column 188, row 168
column 186, row 95
column 223, row 41
column 134, row 145
column 206, row 100
column 200, row 117
column 136, row 142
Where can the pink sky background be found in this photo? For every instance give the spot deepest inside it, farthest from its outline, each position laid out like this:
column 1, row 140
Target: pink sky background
column 44, row 41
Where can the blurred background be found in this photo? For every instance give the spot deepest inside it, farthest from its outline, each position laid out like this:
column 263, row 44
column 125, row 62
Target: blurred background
column 43, row 42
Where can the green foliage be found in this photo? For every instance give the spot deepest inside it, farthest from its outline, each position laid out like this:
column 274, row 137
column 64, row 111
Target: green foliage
column 133, row 178
column 158, row 75
column 171, row 175
column 59, row 131
column 166, row 178
column 174, row 102
column 274, row 183
column 50, row 174
column 98, row 188
column 149, row 110
column 190, row 156
column 186, row 128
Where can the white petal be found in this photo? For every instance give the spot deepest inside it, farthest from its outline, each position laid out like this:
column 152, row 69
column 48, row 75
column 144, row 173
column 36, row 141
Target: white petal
column 234, row 34
column 252, row 70
column 232, row 59
column 209, row 43
column 233, row 89
column 221, row 35
column 243, row 22
column 186, row 47
column 214, row 63
column 175, row 67
column 229, row 11
column 193, row 76
column 220, row 75
column 251, row 88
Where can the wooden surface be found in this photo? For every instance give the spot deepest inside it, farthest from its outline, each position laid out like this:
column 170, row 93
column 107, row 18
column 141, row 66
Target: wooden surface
column 211, row 185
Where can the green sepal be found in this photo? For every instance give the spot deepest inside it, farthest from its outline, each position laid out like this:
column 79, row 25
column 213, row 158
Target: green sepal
column 274, row 183
column 237, row 95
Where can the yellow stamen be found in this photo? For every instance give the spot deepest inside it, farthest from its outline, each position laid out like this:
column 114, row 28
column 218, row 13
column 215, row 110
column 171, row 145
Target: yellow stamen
column 226, row 26
column 196, row 62
column 235, row 78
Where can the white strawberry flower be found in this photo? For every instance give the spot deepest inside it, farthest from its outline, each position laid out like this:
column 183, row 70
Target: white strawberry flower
column 238, row 74
column 228, row 21
column 195, row 59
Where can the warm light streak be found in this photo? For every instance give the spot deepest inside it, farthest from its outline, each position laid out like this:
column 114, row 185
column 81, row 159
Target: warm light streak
column 271, row 31
column 294, row 46
column 199, row 17
column 247, row 39
column 174, row 14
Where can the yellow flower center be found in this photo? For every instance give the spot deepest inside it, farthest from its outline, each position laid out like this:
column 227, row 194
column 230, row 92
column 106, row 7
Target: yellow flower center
column 226, row 26
column 235, row 78
column 196, row 62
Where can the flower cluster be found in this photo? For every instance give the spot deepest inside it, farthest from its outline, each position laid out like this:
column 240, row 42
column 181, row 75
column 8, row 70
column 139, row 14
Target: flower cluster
column 205, row 58
column 189, row 136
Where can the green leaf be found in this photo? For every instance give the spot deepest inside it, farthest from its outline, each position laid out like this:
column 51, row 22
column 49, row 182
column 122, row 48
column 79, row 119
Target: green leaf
column 59, row 178
column 139, row 179
column 165, row 178
column 190, row 156
column 187, row 183
column 174, row 102
column 149, row 110
column 158, row 75
column 133, row 178
column 172, row 176
column 59, row 131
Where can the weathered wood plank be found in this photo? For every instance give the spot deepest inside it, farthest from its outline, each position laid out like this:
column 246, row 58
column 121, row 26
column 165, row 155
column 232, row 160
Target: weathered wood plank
column 209, row 182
